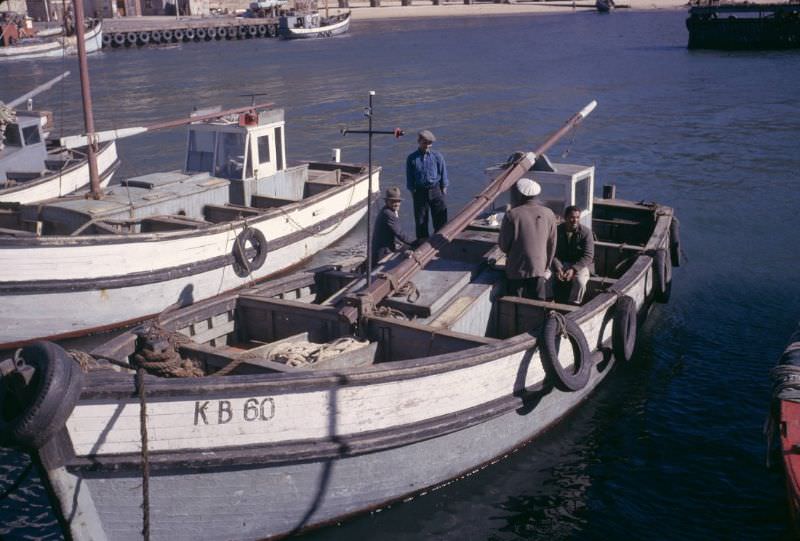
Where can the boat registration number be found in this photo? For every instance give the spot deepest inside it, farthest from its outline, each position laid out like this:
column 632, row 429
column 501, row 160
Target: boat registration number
column 220, row 412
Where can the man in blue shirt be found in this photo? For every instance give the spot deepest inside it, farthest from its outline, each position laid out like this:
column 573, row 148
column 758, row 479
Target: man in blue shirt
column 426, row 179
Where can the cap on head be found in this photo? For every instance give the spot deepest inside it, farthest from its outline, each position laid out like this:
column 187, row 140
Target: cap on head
column 528, row 187
column 393, row 194
column 427, row 135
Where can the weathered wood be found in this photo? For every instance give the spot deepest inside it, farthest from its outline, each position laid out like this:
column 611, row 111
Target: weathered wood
column 518, row 315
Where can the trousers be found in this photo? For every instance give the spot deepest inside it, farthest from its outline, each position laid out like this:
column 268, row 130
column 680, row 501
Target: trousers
column 429, row 201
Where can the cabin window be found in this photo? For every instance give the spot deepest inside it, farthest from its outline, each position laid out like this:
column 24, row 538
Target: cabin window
column 552, row 196
column 230, row 155
column 12, row 136
column 279, row 148
column 263, row 149
column 582, row 194
column 200, row 155
column 31, row 135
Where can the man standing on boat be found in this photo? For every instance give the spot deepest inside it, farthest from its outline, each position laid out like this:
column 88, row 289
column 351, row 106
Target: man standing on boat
column 426, row 179
column 574, row 259
column 388, row 233
column 528, row 238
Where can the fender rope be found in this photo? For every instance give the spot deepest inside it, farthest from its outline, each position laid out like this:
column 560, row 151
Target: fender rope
column 144, row 454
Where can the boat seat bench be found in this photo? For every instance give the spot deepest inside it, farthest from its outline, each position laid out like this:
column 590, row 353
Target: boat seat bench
column 267, row 202
column 224, row 213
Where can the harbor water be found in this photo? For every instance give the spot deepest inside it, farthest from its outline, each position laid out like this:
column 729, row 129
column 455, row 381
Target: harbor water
column 671, row 446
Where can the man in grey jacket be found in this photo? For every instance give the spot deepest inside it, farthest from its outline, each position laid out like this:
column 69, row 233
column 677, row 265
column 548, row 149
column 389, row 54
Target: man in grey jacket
column 574, row 259
column 528, row 237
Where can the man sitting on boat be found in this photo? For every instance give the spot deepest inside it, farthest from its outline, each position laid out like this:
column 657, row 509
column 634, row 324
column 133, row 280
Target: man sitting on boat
column 574, row 258
column 388, row 235
column 528, row 237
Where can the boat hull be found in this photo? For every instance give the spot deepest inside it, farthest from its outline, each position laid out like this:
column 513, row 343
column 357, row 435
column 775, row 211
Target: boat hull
column 743, row 26
column 54, row 47
column 129, row 278
column 73, row 178
column 258, row 456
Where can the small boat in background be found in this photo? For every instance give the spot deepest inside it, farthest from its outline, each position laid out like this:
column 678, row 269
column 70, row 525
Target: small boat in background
column 34, row 167
column 604, row 6
column 743, row 25
column 26, row 48
column 786, row 411
column 312, row 25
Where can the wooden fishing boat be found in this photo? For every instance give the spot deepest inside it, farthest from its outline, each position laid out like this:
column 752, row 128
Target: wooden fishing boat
column 34, row 167
column 393, row 394
column 744, row 25
column 312, row 25
column 236, row 213
column 786, row 410
column 53, row 46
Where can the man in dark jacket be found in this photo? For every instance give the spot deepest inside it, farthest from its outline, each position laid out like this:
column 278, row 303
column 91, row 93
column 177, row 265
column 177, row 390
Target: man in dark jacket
column 426, row 179
column 528, row 237
column 574, row 259
column 388, row 233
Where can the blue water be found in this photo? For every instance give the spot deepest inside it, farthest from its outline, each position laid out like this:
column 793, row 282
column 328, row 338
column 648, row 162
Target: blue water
column 670, row 447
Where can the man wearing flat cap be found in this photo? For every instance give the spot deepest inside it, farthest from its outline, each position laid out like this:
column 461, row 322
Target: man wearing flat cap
column 426, row 179
column 388, row 235
column 528, row 238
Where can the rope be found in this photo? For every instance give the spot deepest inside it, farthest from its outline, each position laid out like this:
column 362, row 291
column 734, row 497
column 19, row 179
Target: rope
column 388, row 311
column 16, row 484
column 407, row 290
column 307, row 354
column 159, row 355
column 561, row 321
column 145, row 456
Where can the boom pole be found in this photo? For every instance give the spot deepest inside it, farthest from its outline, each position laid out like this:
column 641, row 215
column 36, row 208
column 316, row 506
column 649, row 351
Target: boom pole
column 366, row 299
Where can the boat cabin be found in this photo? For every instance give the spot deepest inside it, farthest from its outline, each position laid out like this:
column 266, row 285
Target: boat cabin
column 300, row 20
column 564, row 185
column 23, row 153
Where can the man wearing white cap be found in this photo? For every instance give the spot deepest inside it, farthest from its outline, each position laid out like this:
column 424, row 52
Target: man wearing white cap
column 528, row 237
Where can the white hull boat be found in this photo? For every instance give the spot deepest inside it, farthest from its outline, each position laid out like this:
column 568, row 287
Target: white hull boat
column 54, row 46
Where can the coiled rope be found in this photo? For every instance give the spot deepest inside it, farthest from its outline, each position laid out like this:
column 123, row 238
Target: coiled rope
column 159, row 355
column 307, row 354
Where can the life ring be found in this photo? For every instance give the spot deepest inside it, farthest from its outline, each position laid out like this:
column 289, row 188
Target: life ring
column 119, row 39
column 565, row 379
column 624, row 328
column 675, row 242
column 262, row 30
column 243, row 264
column 48, row 399
column 131, row 38
column 662, row 275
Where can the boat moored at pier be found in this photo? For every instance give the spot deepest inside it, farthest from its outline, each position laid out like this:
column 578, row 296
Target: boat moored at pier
column 312, row 25
column 236, row 213
column 52, row 46
column 744, row 25
column 327, row 393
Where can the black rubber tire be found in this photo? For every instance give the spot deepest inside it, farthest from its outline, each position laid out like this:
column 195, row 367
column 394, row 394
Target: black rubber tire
column 252, row 31
column 624, row 329
column 119, row 39
column 241, row 32
column 272, row 30
column 155, row 36
column 54, row 391
column 144, row 38
column 189, row 34
column 200, row 34
column 211, row 33
column 675, row 242
column 166, row 35
column 662, row 275
column 131, row 38
column 222, row 32
column 178, row 34
column 262, row 30
column 107, row 40
column 563, row 378
column 243, row 265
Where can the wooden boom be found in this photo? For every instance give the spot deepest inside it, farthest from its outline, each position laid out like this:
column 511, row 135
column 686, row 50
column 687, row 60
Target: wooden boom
column 364, row 301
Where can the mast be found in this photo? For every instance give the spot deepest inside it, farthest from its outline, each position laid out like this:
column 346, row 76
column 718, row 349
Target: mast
column 86, row 93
